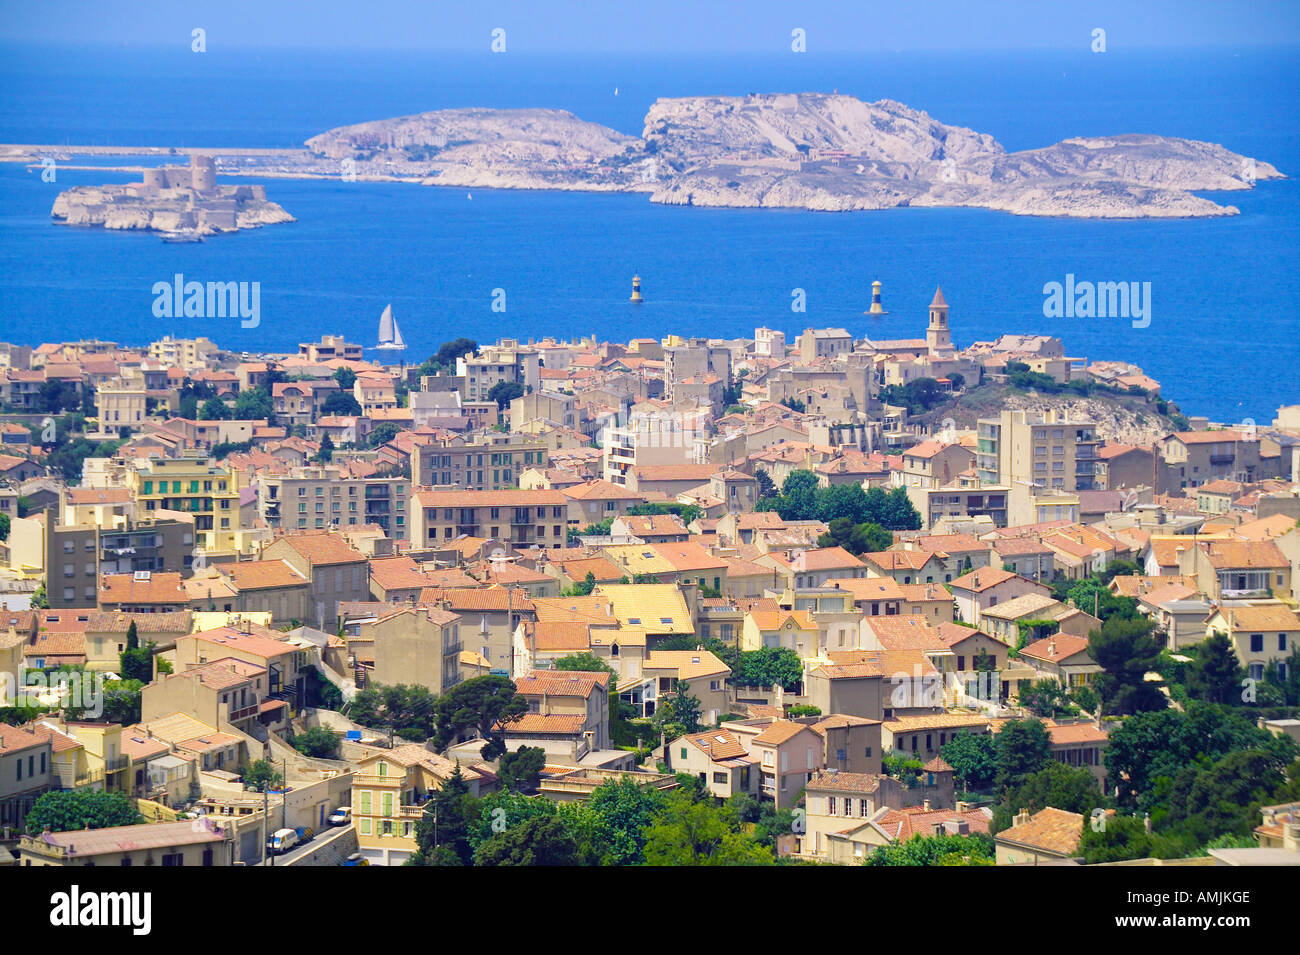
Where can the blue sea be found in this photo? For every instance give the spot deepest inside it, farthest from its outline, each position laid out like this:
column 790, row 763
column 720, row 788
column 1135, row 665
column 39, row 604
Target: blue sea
column 1224, row 339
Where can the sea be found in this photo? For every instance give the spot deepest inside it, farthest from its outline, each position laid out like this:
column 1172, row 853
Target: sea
column 1223, row 338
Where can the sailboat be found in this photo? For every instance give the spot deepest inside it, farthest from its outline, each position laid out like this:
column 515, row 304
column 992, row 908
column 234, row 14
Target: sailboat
column 390, row 336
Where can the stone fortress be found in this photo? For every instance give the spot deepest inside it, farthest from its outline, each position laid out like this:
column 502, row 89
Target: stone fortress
column 171, row 199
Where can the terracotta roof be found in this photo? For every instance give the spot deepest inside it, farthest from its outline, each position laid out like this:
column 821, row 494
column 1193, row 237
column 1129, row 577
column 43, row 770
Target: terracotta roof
column 561, row 683
column 323, row 548
column 779, row 731
column 261, row 574
column 556, row 724
column 1058, row 647
column 1051, row 830
column 158, row 588
column 864, row 783
column 718, row 744
column 986, row 578
column 159, row 835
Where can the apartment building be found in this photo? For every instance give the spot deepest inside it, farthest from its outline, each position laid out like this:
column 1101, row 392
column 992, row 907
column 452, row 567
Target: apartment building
column 1038, row 448
column 319, row 497
column 506, row 361
column 337, row 570
column 190, row 354
column 488, row 462
column 26, row 772
column 206, row 491
column 74, row 556
column 1198, row 457
column 523, row 518
column 390, row 794
column 121, row 403
column 329, row 348
column 416, row 645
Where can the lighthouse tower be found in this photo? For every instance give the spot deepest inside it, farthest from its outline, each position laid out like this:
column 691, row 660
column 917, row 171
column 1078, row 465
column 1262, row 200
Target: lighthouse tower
column 636, row 290
column 877, row 307
column 937, row 336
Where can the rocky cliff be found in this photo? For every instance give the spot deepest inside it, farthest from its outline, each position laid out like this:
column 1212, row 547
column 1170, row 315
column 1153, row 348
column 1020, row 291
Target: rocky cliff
column 810, row 151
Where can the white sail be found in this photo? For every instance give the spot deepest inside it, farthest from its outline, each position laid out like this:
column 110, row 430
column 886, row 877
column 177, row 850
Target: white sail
column 390, row 336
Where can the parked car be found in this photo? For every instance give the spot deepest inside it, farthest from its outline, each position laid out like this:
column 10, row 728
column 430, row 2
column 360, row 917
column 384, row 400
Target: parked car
column 341, row 816
column 356, row 859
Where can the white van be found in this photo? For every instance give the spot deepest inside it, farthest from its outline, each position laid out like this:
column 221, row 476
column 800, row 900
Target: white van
column 282, row 841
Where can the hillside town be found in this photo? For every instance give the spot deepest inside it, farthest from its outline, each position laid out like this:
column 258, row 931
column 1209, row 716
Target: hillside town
column 687, row 601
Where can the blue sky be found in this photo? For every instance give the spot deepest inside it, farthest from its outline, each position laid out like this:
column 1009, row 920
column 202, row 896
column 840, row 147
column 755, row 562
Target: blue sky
column 658, row 26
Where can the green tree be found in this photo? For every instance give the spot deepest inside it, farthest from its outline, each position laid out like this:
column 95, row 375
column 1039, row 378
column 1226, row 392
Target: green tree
column 260, row 775
column 4, row 527
column 447, row 354
column 254, row 404
column 1023, row 748
column 1126, row 649
column 769, row 666
column 975, row 849
column 136, row 662
column 766, row 486
column 973, row 758
column 68, row 810
column 521, row 771
column 611, row 827
column 442, row 832
column 583, row 588
column 504, row 392
column 326, row 452
column 383, row 432
column 484, row 704
column 411, row 711
column 214, row 409
column 690, row 833
column 1057, row 785
column 678, row 712
column 540, row 841
column 319, row 742
column 346, row 377
column 1046, row 698
column 1122, row 838
column 341, row 403
column 1215, row 676
column 1147, row 751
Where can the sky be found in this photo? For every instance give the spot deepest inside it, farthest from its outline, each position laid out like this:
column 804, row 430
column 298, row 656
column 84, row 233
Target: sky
column 657, row 26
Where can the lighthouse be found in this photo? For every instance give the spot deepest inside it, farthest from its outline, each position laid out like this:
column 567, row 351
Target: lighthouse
column 877, row 308
column 636, row 290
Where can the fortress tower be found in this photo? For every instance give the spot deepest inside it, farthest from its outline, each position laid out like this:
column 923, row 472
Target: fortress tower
column 203, row 174
column 938, row 336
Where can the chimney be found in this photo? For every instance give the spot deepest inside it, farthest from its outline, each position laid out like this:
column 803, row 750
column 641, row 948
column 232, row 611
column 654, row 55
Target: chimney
column 1022, row 817
column 925, row 804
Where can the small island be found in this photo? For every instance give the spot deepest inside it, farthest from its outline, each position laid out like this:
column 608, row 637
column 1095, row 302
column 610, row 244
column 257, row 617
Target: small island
column 179, row 201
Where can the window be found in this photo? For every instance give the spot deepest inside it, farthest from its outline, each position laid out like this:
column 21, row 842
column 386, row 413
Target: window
column 830, row 805
column 1256, row 643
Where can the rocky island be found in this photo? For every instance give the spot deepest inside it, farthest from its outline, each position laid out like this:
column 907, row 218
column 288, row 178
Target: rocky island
column 185, row 200
column 809, row 151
